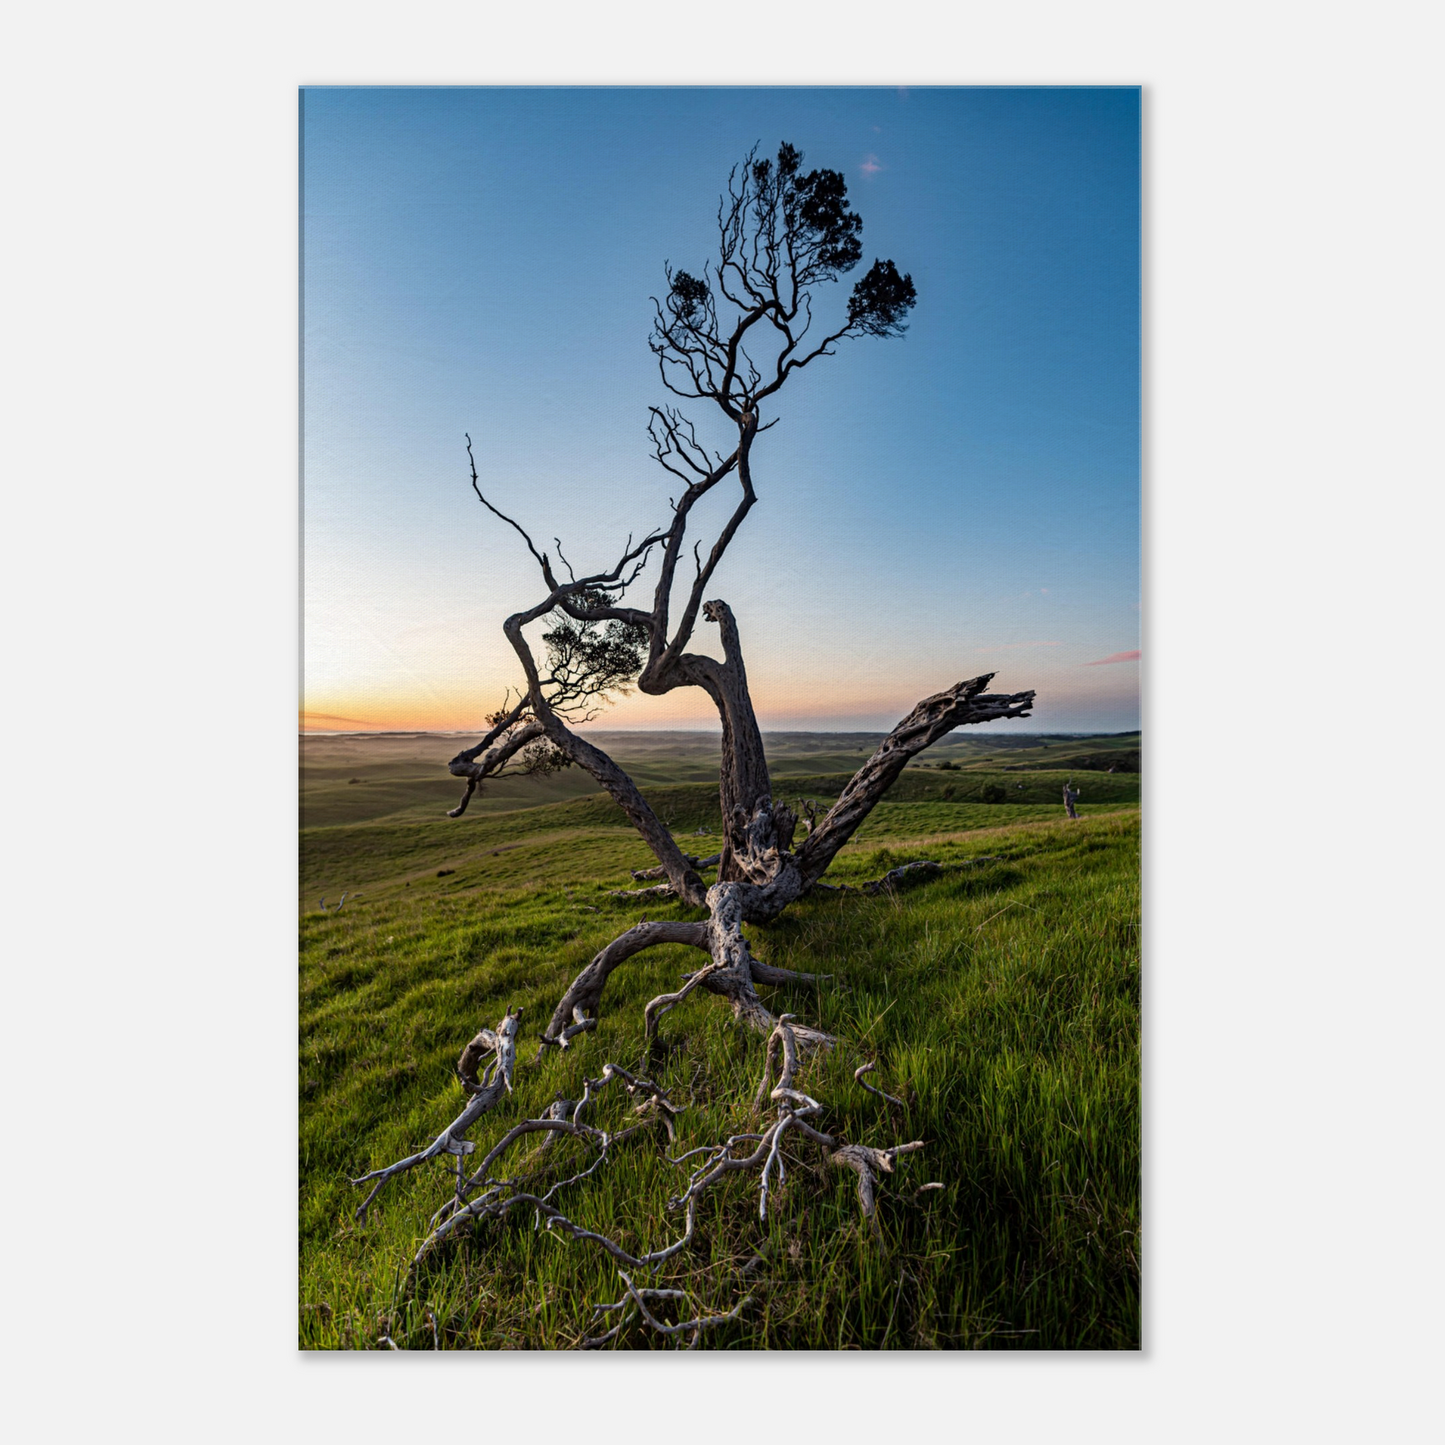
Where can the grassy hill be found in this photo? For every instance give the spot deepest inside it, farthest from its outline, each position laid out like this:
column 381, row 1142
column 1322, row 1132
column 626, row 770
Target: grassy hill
column 1000, row 1000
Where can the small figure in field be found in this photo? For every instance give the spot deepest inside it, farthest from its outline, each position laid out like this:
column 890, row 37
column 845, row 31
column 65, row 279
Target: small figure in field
column 1071, row 796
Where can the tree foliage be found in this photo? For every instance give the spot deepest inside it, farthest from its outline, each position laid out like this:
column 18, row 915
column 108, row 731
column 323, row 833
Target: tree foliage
column 734, row 333
column 586, row 659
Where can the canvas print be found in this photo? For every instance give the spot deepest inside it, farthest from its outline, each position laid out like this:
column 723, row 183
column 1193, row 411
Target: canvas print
column 719, row 735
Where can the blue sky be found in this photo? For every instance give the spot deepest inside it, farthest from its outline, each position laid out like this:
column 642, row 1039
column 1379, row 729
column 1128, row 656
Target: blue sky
column 965, row 499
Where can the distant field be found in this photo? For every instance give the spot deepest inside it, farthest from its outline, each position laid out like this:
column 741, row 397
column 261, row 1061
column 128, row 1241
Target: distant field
column 355, row 777
column 1001, row 1001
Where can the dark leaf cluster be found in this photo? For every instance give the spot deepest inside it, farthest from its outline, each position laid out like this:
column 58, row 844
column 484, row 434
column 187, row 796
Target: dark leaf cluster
column 827, row 230
column 542, row 757
column 782, row 232
column 587, row 659
column 689, row 299
column 881, row 300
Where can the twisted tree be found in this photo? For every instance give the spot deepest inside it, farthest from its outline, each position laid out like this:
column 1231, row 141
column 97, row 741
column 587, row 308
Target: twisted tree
column 730, row 338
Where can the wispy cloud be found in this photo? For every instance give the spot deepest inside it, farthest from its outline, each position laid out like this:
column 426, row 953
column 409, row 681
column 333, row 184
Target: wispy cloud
column 1116, row 657
column 1010, row 646
column 871, row 165
column 315, row 717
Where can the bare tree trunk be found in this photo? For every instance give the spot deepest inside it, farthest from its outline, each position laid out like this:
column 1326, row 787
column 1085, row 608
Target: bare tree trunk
column 767, row 875
column 743, row 781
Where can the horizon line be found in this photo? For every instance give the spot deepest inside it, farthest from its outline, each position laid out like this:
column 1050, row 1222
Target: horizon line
column 716, row 732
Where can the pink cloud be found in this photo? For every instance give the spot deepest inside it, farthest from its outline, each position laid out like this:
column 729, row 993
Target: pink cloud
column 871, row 166
column 1117, row 657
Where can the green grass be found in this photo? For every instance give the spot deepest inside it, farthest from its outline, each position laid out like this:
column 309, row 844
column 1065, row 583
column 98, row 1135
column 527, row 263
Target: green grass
column 346, row 857
column 1001, row 1001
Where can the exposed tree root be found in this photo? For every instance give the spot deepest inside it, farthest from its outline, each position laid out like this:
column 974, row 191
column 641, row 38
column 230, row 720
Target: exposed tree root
column 766, row 973
column 581, row 1024
column 869, row 1163
column 485, row 1093
column 484, row 1195
column 860, row 1080
column 585, row 993
column 663, row 1002
column 634, row 1301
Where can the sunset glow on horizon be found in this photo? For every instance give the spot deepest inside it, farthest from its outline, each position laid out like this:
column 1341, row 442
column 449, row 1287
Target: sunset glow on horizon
column 690, row 709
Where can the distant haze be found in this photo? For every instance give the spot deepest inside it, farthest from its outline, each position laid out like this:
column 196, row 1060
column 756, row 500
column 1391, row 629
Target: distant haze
column 964, row 500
